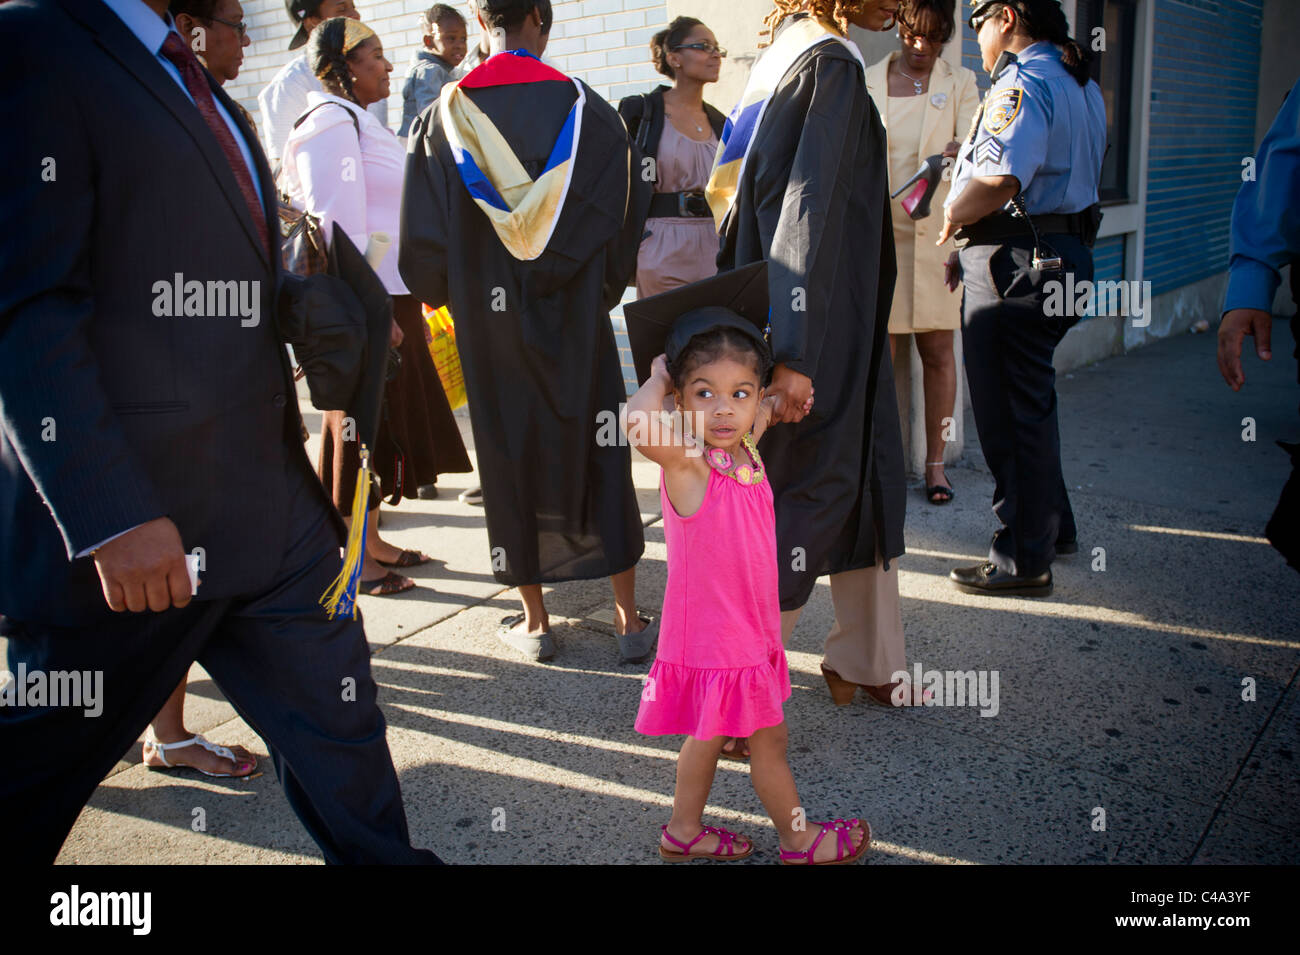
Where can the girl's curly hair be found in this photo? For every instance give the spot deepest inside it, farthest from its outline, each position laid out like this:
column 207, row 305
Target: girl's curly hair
column 832, row 11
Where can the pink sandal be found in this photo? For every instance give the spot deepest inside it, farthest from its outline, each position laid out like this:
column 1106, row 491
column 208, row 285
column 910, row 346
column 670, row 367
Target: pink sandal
column 844, row 852
column 725, row 841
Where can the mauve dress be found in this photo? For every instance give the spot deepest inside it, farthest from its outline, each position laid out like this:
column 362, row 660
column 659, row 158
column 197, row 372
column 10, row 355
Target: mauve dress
column 678, row 250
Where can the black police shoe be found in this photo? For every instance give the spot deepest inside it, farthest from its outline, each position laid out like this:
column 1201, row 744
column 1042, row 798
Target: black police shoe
column 988, row 578
column 1065, row 548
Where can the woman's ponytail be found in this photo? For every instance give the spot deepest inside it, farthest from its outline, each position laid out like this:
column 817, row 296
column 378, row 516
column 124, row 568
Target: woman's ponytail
column 1045, row 20
column 326, row 58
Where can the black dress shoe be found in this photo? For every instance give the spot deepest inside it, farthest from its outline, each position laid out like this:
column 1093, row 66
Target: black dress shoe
column 988, row 578
column 1064, row 548
column 427, row 492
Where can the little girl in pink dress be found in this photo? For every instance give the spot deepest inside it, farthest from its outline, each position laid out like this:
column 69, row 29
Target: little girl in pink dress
column 720, row 671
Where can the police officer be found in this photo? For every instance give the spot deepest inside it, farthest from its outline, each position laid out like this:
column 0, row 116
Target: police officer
column 1266, row 237
column 1024, row 198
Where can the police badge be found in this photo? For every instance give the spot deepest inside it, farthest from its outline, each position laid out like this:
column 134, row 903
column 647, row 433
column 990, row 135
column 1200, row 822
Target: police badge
column 1001, row 112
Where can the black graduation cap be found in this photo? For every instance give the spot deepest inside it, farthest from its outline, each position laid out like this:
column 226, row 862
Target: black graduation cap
column 663, row 324
column 346, row 262
column 338, row 324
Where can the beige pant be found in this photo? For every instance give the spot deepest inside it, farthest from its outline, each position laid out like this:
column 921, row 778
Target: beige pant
column 865, row 645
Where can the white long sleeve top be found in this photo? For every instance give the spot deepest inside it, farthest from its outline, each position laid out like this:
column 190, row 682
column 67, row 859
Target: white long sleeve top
column 353, row 180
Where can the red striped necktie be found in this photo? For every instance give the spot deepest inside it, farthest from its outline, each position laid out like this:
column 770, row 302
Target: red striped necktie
column 182, row 56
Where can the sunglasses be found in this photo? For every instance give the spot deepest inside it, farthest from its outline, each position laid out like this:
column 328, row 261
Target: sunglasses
column 708, row 48
column 934, row 39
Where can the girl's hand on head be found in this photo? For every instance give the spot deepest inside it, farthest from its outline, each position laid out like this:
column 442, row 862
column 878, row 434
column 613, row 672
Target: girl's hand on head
column 659, row 369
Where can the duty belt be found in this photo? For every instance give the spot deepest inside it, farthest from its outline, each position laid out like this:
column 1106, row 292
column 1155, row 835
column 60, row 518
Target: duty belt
column 672, row 205
column 1003, row 225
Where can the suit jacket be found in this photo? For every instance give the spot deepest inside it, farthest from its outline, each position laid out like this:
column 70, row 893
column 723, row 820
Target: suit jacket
column 921, row 300
column 114, row 410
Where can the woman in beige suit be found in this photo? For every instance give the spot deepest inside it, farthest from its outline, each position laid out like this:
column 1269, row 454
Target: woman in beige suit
column 926, row 107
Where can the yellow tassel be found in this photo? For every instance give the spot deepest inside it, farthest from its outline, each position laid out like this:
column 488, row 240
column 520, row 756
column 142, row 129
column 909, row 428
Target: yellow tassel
column 340, row 598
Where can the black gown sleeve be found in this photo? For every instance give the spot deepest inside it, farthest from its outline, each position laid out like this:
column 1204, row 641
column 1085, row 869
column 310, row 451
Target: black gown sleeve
column 805, row 244
column 425, row 228
column 620, row 261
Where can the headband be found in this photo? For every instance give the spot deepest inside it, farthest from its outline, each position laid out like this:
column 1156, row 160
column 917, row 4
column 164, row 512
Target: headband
column 354, row 34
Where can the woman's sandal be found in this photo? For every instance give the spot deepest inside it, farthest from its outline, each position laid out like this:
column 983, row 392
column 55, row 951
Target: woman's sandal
column 153, row 748
column 387, row 585
column 738, row 753
column 939, row 494
column 726, row 840
column 844, row 851
column 407, row 558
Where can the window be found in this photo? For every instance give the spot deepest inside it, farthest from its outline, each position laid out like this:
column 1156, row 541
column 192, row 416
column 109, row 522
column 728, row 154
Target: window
column 1115, row 22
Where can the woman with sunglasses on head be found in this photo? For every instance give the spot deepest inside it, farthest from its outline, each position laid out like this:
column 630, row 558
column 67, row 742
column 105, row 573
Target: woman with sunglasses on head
column 679, row 132
column 926, row 106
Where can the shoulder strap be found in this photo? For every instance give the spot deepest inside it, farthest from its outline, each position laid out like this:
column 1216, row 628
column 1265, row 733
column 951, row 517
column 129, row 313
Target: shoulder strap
column 643, row 127
column 351, row 115
column 279, row 166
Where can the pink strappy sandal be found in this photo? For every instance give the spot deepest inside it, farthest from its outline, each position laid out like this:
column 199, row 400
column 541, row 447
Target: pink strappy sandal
column 844, row 852
column 726, row 840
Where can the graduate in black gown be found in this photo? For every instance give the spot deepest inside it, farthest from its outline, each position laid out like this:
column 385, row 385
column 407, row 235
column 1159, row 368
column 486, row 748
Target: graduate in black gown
column 801, row 180
column 515, row 216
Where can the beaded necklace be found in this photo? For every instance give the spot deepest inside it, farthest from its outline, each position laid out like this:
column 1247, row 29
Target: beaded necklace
column 722, row 462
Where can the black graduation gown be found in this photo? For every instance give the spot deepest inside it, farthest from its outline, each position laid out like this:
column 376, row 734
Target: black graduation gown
column 535, row 339
column 813, row 200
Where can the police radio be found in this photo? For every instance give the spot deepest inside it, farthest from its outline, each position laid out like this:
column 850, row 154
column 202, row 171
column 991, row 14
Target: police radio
column 1040, row 262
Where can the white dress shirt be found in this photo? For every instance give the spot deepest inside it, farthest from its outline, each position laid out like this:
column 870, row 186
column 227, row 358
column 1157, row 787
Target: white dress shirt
column 354, row 180
column 284, row 99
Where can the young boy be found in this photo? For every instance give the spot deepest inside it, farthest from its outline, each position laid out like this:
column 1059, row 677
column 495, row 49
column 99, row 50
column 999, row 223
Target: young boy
column 445, row 42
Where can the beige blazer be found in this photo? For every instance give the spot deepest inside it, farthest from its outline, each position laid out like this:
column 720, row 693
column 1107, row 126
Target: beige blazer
column 921, row 301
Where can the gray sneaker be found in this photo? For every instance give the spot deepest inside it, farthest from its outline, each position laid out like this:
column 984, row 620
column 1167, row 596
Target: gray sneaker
column 471, row 495
column 539, row 648
column 637, row 647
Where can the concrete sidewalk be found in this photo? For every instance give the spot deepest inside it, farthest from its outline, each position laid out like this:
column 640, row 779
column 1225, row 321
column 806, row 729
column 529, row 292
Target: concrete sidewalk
column 1122, row 692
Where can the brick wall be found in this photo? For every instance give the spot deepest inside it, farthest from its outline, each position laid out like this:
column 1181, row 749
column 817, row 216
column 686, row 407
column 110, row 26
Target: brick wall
column 606, row 43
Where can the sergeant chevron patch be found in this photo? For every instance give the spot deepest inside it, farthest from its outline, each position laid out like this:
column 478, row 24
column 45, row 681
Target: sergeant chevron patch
column 990, row 150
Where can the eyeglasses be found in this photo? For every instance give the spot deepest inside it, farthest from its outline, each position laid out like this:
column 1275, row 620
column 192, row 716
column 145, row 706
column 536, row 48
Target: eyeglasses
column 241, row 28
column 708, row 48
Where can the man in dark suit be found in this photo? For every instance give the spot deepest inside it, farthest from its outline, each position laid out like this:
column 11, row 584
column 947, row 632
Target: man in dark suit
column 146, row 412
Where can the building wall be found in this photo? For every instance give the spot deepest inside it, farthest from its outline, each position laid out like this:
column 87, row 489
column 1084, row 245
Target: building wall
column 606, row 43
column 1204, row 86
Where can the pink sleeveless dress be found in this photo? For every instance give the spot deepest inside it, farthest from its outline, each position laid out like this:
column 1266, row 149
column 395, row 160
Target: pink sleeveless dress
column 720, row 669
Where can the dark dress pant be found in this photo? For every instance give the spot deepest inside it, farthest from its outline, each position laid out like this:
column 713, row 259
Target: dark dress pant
column 1008, row 341
column 301, row 680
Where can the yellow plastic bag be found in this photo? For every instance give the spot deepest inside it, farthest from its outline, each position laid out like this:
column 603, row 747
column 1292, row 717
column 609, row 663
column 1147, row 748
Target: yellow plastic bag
column 442, row 347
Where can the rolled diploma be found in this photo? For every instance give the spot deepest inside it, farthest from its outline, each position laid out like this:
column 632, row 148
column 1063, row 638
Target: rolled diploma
column 377, row 247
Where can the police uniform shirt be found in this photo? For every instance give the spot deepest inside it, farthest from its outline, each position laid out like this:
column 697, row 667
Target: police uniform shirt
column 1038, row 124
column 1265, row 226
